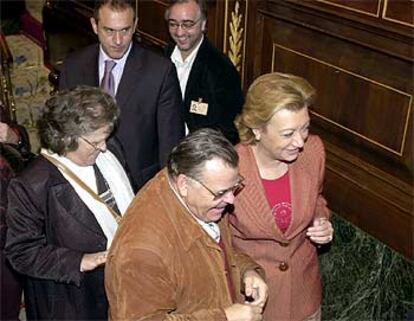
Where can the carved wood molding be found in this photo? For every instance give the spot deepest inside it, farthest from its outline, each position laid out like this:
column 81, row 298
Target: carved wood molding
column 235, row 30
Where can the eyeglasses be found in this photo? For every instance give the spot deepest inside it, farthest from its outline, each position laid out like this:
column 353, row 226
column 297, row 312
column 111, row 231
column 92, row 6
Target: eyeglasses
column 185, row 25
column 93, row 145
column 236, row 189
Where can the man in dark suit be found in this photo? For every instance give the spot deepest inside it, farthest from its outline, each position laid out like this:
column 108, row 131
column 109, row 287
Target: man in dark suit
column 210, row 83
column 144, row 84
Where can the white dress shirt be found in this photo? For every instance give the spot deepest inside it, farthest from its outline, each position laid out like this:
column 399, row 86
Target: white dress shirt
column 184, row 66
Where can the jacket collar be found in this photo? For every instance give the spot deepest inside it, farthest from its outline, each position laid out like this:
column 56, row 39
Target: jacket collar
column 299, row 183
column 57, row 181
column 189, row 231
column 130, row 76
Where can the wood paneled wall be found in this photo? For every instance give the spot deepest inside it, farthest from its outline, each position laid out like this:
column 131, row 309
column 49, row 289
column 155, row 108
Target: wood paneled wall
column 359, row 55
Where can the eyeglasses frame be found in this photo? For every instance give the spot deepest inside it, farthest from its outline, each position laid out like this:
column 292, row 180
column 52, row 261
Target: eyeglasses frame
column 182, row 24
column 94, row 146
column 235, row 189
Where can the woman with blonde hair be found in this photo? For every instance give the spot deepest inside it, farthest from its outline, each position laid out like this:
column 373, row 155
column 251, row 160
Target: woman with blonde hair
column 281, row 217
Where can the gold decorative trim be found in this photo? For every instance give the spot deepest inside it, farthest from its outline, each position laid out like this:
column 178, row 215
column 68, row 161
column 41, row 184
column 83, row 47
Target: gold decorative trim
column 384, row 16
column 352, row 9
column 408, row 95
column 235, row 39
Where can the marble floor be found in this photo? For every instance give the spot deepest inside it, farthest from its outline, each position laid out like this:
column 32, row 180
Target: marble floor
column 364, row 280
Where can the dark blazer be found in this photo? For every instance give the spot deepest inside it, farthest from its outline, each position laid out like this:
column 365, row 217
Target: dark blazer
column 49, row 229
column 151, row 121
column 215, row 80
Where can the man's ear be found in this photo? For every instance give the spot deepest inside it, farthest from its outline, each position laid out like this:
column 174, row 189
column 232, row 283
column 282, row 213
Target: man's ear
column 204, row 25
column 182, row 185
column 94, row 25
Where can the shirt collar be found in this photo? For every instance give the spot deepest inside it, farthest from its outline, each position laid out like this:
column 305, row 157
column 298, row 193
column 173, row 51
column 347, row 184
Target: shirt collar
column 211, row 228
column 178, row 59
column 119, row 62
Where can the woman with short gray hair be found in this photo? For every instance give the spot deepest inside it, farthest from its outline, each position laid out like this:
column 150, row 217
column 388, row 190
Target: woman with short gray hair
column 65, row 207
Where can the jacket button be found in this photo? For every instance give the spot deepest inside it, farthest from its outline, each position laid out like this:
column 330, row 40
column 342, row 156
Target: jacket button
column 283, row 266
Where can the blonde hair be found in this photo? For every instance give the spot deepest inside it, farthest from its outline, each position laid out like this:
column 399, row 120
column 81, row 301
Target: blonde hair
column 268, row 94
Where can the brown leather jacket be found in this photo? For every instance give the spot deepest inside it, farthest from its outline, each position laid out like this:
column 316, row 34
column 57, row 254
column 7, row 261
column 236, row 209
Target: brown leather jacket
column 163, row 266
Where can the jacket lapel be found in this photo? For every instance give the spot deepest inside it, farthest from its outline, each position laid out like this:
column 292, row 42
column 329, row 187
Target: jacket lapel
column 262, row 215
column 196, row 70
column 299, row 187
column 71, row 203
column 194, row 82
column 90, row 70
column 130, row 76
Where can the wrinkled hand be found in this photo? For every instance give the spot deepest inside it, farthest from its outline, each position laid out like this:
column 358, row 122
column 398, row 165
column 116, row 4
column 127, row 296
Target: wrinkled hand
column 321, row 232
column 8, row 135
column 256, row 288
column 243, row 312
column 91, row 261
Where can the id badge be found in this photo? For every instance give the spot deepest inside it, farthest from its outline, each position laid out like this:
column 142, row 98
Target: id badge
column 198, row 107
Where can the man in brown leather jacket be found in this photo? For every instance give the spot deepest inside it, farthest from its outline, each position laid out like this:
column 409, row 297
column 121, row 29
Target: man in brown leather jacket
column 172, row 258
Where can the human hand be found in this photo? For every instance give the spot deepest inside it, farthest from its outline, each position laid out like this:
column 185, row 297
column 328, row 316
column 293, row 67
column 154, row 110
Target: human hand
column 321, row 232
column 8, row 135
column 243, row 312
column 256, row 288
column 91, row 261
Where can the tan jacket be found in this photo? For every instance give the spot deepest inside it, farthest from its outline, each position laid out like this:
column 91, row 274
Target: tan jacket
column 163, row 266
column 290, row 260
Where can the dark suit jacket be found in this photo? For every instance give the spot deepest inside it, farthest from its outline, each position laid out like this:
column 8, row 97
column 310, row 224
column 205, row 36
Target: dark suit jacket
column 148, row 96
column 49, row 230
column 213, row 78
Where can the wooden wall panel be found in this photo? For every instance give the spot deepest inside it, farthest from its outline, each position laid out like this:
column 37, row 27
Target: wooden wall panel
column 364, row 113
column 369, row 7
column 372, row 102
column 399, row 12
column 152, row 27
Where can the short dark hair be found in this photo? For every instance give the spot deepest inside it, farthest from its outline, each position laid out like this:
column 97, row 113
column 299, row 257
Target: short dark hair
column 117, row 5
column 202, row 145
column 72, row 113
column 201, row 3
